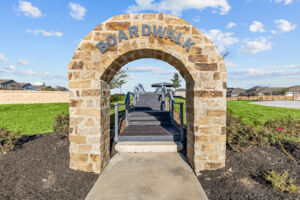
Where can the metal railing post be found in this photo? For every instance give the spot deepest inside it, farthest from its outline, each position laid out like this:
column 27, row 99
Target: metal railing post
column 127, row 113
column 172, row 113
column 165, row 94
column 116, row 122
column 181, row 122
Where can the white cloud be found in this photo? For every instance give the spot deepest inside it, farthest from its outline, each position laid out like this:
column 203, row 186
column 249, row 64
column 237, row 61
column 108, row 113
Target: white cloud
column 257, row 27
column 12, row 70
column 29, row 10
column 230, row 25
column 273, row 31
column 284, row 25
column 3, row 58
column 253, row 73
column 132, row 76
column 286, row 2
column 285, row 67
column 196, row 19
column 45, row 33
column 220, row 39
column 77, row 11
column 228, row 63
column 23, row 62
column 177, row 6
column 255, row 46
column 151, row 69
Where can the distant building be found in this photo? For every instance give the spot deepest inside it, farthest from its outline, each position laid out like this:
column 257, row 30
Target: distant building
column 26, row 86
column 59, row 88
column 8, row 84
column 163, row 83
column 254, row 90
column 235, row 92
column 181, row 92
column 295, row 89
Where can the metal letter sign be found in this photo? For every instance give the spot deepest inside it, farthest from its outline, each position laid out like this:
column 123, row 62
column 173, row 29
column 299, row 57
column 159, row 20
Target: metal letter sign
column 147, row 30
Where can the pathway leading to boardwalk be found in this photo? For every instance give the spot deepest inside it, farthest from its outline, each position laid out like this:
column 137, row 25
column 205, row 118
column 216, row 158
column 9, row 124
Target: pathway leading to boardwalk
column 147, row 176
column 281, row 104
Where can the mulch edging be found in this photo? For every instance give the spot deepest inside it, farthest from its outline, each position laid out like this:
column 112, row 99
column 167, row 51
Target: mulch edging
column 39, row 169
column 243, row 176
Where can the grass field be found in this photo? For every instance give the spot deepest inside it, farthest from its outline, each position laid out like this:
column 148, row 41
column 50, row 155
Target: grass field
column 250, row 114
column 30, row 119
column 256, row 115
column 177, row 107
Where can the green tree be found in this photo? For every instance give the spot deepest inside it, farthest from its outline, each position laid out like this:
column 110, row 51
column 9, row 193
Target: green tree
column 119, row 79
column 176, row 81
column 284, row 91
column 225, row 54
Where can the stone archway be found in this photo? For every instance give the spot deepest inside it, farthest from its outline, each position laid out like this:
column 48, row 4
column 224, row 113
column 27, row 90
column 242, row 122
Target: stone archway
column 125, row 38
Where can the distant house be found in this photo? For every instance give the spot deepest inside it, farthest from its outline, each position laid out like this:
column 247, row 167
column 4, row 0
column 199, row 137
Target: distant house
column 260, row 91
column 235, row 92
column 163, row 83
column 255, row 90
column 59, row 88
column 294, row 89
column 44, row 88
column 8, row 84
column 26, row 86
column 181, row 92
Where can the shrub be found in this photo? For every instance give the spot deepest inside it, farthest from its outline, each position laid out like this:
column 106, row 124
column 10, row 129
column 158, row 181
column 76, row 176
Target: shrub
column 284, row 128
column 6, row 139
column 282, row 182
column 61, row 124
column 241, row 136
column 117, row 97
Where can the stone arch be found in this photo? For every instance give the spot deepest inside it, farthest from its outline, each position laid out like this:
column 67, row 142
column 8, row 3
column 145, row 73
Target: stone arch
column 97, row 59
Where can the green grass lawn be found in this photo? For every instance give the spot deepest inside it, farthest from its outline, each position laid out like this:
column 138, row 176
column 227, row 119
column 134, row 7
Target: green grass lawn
column 30, row 119
column 177, row 107
column 122, row 108
column 251, row 114
column 256, row 115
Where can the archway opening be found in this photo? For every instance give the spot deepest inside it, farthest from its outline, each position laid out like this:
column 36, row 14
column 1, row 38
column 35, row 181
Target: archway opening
column 151, row 74
column 187, row 112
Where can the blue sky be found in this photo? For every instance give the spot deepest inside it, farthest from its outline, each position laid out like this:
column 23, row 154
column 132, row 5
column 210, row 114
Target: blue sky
column 38, row 37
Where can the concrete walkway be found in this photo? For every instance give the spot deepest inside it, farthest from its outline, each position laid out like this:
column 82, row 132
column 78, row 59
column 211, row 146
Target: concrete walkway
column 147, row 176
column 281, row 104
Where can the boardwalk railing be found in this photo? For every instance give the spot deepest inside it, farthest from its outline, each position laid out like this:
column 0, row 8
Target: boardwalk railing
column 139, row 89
column 165, row 95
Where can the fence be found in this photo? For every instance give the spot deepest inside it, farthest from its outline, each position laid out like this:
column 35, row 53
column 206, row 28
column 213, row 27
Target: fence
column 266, row 98
column 24, row 97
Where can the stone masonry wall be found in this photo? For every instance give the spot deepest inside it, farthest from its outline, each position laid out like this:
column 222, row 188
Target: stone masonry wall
column 90, row 72
column 27, row 96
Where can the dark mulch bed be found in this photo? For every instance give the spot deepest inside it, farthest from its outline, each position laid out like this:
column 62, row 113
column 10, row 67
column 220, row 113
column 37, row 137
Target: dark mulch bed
column 39, row 169
column 243, row 176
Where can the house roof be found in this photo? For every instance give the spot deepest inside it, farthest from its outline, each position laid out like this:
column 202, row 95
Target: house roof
column 180, row 89
column 295, row 88
column 23, row 84
column 270, row 90
column 162, row 83
column 5, row 80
